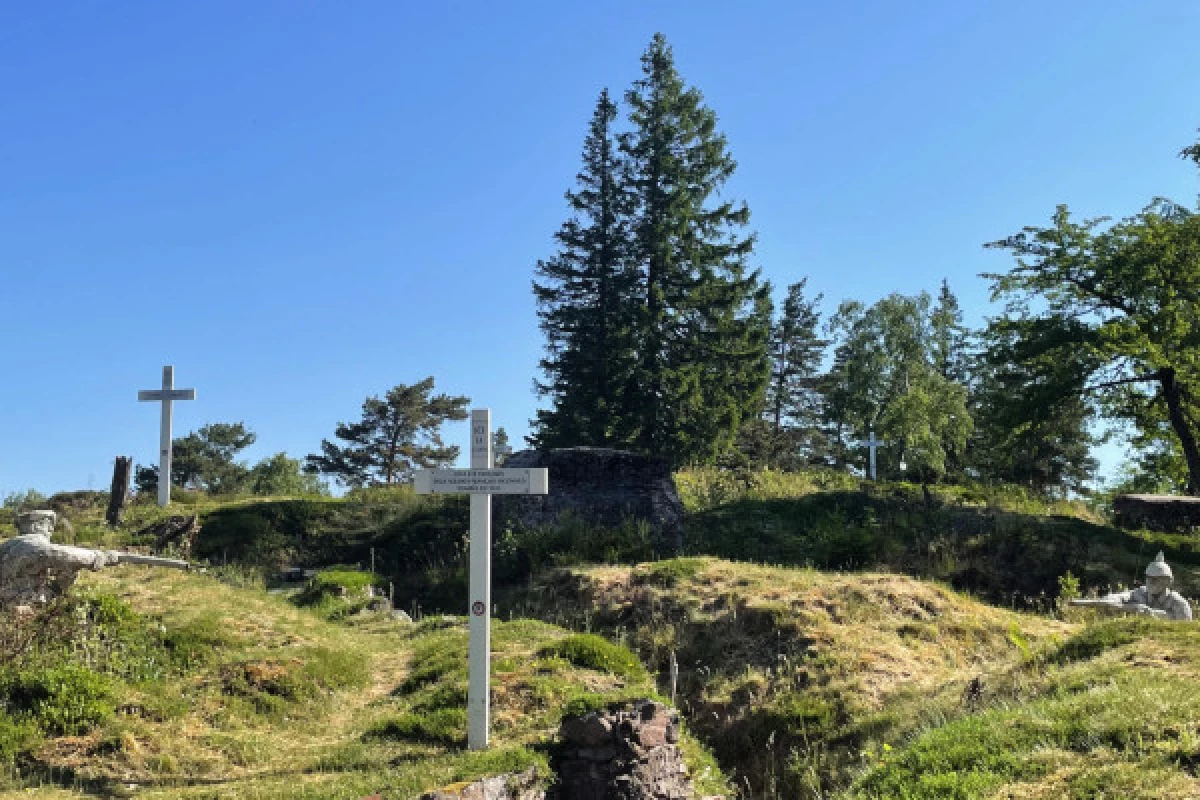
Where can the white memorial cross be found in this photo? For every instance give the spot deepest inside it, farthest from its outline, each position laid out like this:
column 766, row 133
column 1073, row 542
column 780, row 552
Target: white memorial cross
column 481, row 481
column 166, row 395
column 872, row 443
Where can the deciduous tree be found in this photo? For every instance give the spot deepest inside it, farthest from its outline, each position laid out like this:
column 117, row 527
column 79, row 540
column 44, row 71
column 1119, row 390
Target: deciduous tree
column 1133, row 287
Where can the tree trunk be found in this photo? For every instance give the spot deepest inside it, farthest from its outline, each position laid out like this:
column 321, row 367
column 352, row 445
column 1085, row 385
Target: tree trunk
column 1187, row 438
column 118, row 496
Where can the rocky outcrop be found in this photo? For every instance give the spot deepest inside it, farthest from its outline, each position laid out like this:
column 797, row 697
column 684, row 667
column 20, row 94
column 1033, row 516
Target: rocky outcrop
column 600, row 485
column 622, row 755
column 629, row 754
column 517, row 786
column 1157, row 512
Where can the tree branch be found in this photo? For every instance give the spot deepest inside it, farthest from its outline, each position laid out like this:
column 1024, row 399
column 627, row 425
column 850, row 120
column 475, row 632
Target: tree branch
column 1151, row 376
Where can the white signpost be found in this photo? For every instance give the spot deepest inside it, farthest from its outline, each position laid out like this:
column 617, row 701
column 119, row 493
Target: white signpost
column 872, row 443
column 481, row 482
column 166, row 395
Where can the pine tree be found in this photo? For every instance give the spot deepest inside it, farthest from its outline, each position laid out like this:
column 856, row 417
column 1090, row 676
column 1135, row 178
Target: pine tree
column 793, row 405
column 584, row 296
column 396, row 435
column 951, row 357
column 1032, row 410
column 704, row 317
column 951, row 340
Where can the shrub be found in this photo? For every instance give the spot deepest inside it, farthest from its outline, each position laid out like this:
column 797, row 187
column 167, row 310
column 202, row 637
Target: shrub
column 595, row 652
column 66, row 700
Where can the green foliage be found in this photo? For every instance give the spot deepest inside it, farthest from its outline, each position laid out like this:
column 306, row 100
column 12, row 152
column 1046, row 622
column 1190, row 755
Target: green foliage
column 788, row 433
column 1124, row 289
column 583, row 303
column 1032, row 410
column 396, row 435
column 24, row 501
column 205, row 459
column 886, row 379
column 280, row 475
column 595, row 652
column 656, row 327
column 62, row 700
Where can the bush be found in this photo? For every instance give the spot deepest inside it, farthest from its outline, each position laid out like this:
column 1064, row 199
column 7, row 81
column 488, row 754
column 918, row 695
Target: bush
column 590, row 651
column 65, row 700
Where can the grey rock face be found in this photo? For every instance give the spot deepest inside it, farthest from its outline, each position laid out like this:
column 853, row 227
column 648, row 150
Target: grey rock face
column 597, row 485
column 517, row 786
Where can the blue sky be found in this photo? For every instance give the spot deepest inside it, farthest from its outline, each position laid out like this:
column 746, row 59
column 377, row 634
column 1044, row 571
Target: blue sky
column 299, row 204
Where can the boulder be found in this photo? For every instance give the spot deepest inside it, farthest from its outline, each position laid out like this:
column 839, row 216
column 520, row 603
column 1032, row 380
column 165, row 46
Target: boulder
column 599, row 485
column 513, row 786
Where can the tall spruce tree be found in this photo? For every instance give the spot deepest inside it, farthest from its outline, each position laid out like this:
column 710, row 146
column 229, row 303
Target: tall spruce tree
column 1032, row 410
column 951, row 340
column 789, row 431
column 584, row 295
column 704, row 317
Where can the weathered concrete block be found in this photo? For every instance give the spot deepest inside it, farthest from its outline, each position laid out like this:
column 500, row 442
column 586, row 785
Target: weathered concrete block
column 598, row 485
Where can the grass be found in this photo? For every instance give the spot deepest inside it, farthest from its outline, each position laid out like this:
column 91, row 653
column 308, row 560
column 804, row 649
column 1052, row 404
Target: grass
column 789, row 674
column 1122, row 720
column 237, row 693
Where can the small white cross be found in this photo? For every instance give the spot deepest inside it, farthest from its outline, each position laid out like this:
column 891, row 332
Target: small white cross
column 873, row 444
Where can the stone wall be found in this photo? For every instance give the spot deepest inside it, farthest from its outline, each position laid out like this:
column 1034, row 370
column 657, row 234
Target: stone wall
column 598, row 485
column 630, row 754
column 622, row 755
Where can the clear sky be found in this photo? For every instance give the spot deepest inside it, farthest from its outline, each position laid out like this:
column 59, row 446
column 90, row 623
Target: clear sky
column 298, row 204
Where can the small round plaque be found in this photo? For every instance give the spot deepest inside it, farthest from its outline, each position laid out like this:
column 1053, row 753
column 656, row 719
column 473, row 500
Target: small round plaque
column 478, row 608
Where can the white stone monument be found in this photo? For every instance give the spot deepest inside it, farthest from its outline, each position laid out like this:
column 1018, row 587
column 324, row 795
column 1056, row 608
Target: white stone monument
column 166, row 395
column 481, row 481
column 872, row 443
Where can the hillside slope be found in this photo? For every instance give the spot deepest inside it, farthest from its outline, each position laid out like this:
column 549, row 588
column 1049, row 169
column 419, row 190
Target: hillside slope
column 790, row 675
column 197, row 689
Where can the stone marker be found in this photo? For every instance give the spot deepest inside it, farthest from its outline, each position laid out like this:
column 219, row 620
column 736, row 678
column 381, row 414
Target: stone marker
column 481, row 482
column 34, row 570
column 166, row 395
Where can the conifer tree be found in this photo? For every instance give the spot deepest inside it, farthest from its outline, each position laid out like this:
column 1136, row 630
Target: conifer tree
column 951, row 341
column 704, row 316
column 789, row 432
column 584, row 295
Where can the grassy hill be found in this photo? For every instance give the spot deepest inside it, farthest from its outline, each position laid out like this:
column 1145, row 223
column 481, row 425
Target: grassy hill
column 169, row 685
column 834, row 639
column 791, row 675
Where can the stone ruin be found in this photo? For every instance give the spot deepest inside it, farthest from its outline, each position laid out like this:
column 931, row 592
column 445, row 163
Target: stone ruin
column 629, row 754
column 1157, row 512
column 598, row 485
column 623, row 755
